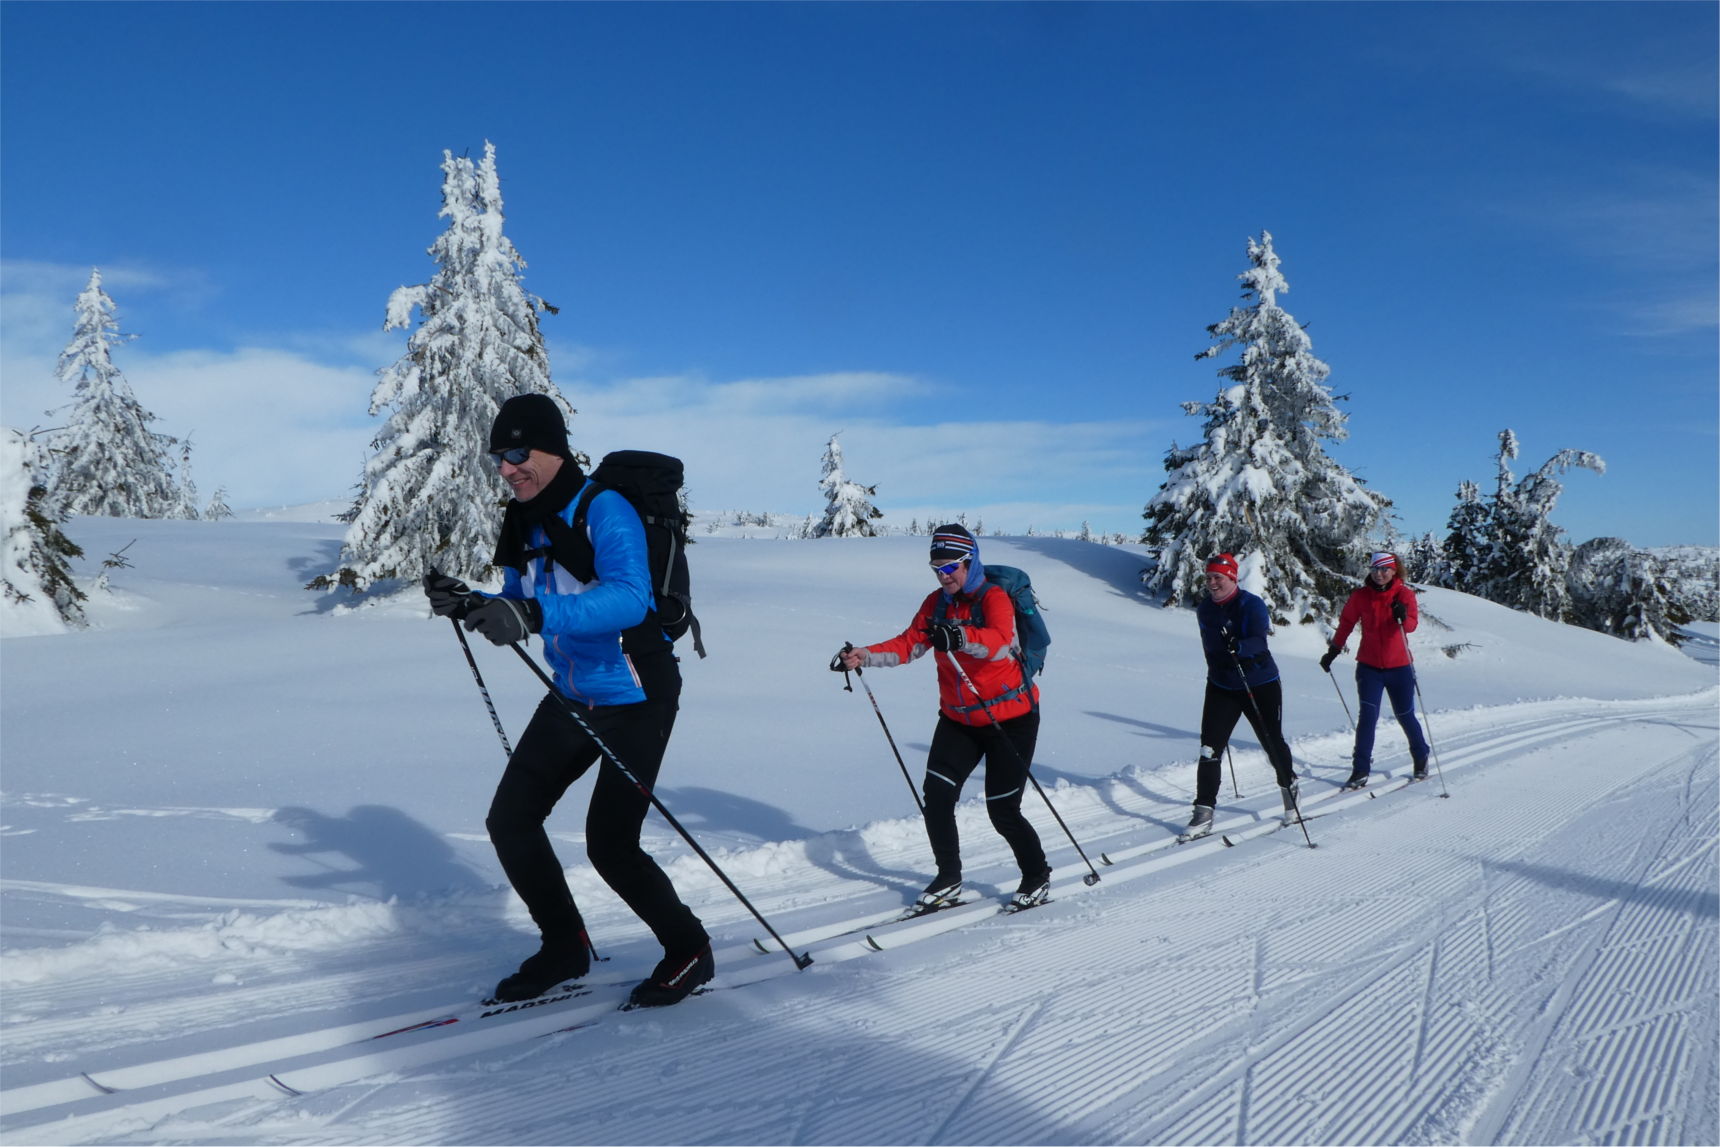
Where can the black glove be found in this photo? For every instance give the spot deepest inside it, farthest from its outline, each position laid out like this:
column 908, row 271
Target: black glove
column 945, row 636
column 1229, row 638
column 1331, row 656
column 449, row 596
column 1399, row 612
column 836, row 665
column 504, row 620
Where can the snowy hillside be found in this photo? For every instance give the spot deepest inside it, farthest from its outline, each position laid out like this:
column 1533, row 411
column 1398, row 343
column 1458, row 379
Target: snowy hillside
column 244, row 835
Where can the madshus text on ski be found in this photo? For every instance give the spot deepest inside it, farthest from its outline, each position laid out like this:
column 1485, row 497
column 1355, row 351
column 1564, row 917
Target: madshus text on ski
column 596, row 566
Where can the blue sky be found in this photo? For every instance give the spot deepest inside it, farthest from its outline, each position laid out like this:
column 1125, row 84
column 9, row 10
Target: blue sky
column 982, row 241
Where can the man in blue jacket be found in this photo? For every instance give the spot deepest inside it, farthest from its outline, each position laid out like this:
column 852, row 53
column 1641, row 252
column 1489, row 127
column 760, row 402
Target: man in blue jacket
column 616, row 667
column 1241, row 680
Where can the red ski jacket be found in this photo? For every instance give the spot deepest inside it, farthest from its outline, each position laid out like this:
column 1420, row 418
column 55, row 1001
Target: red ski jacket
column 988, row 657
column 1383, row 647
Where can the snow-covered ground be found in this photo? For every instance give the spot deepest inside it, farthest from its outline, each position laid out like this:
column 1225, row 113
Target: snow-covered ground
column 243, row 835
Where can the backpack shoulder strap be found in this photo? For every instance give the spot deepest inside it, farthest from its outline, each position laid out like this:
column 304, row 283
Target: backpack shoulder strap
column 570, row 544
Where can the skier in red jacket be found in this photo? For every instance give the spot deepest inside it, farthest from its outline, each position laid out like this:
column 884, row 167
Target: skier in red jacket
column 1385, row 608
column 986, row 651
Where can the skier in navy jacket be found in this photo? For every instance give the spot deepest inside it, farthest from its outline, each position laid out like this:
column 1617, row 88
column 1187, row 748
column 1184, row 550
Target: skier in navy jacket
column 627, row 695
column 1241, row 680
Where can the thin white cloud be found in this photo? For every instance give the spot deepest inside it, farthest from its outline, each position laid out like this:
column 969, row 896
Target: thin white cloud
column 756, row 446
column 286, row 424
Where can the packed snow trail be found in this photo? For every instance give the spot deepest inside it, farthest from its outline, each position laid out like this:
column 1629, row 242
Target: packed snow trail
column 1530, row 961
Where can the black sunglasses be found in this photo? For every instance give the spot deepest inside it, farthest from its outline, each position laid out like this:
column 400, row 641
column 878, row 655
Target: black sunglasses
column 516, row 456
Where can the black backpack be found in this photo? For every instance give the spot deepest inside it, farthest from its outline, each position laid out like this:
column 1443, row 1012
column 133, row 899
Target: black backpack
column 652, row 483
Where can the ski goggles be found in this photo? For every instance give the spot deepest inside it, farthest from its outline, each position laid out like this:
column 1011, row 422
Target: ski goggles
column 515, row 457
column 948, row 568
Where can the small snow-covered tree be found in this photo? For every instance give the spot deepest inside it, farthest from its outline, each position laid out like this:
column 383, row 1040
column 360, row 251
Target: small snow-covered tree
column 430, row 494
column 1527, row 558
column 1618, row 589
column 849, row 512
column 37, row 593
column 106, row 460
column 1424, row 561
column 217, row 509
column 187, row 507
column 1464, row 551
column 1260, row 482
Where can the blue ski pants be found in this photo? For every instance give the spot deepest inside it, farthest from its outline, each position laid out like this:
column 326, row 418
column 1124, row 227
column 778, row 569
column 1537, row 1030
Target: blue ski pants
column 1399, row 685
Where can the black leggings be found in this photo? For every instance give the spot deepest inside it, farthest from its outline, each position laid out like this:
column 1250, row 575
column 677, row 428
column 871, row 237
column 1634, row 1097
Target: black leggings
column 956, row 752
column 552, row 754
column 1217, row 720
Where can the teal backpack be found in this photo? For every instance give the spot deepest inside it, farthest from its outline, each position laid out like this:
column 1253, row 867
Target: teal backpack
column 1031, row 636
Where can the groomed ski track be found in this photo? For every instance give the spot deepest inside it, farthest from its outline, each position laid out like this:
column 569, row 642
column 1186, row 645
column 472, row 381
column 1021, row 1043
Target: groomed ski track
column 1532, row 960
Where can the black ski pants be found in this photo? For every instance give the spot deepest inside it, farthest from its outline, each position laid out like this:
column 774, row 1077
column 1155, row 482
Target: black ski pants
column 956, row 751
column 1217, row 721
column 553, row 753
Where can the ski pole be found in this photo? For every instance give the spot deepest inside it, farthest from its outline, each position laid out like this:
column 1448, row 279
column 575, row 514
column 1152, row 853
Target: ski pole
column 1422, row 702
column 836, row 663
column 479, row 678
column 1260, row 728
column 1092, row 876
column 1231, row 757
column 1342, row 702
column 800, row 961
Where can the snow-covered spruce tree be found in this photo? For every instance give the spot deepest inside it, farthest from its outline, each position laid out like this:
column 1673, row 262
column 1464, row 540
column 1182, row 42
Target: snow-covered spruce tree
column 217, row 509
column 430, row 494
column 1526, row 557
column 37, row 592
column 1260, row 482
column 106, row 460
column 1424, row 561
column 1464, row 551
column 1693, row 574
column 1618, row 589
column 849, row 512
column 187, row 507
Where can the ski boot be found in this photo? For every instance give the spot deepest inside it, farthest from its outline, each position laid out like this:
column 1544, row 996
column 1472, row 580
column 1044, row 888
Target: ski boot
column 1199, row 825
column 673, row 980
column 1035, row 889
column 944, row 891
column 557, row 961
column 1290, row 792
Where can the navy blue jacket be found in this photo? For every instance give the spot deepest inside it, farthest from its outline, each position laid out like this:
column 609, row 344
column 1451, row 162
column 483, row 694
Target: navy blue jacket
column 1244, row 615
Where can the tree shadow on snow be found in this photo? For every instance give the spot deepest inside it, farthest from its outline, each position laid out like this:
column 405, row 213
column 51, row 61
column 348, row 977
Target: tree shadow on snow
column 373, row 851
column 1166, row 732
column 843, row 854
column 1687, row 901
column 1120, row 570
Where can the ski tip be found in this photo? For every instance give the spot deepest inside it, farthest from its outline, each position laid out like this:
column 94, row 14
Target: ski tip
column 284, row 1087
column 1105, row 860
column 762, row 949
column 873, row 944
column 1228, row 843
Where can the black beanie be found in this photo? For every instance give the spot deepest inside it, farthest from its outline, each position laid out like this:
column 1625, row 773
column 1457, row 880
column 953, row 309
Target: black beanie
column 531, row 420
